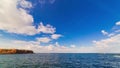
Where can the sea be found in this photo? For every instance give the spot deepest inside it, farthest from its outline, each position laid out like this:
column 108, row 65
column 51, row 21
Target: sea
column 60, row 60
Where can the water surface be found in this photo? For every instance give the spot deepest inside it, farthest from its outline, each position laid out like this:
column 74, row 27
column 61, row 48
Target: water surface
column 66, row 60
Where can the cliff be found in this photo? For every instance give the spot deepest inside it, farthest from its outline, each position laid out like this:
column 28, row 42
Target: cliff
column 15, row 51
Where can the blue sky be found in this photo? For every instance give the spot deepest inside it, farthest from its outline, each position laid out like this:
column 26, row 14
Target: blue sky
column 60, row 25
column 78, row 20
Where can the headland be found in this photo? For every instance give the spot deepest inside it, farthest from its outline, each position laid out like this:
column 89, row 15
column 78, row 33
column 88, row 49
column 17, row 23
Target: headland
column 15, row 51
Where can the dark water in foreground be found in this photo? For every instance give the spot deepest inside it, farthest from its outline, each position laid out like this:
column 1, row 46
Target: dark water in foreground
column 60, row 61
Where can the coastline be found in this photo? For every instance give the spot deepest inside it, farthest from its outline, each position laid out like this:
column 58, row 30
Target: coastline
column 15, row 51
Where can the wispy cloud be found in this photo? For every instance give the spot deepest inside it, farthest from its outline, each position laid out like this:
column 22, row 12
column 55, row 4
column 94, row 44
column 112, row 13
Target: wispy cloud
column 46, row 29
column 25, row 4
column 110, row 44
column 118, row 23
column 104, row 32
column 47, row 1
column 44, row 39
column 56, row 36
column 43, row 2
column 73, row 46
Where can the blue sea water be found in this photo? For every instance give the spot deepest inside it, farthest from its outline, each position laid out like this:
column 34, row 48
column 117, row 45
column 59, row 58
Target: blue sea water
column 61, row 60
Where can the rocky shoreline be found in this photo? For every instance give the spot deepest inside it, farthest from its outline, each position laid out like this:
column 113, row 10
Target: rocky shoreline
column 15, row 51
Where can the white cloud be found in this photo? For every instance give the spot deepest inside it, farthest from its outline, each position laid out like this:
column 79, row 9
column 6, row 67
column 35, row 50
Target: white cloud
column 73, row 46
column 25, row 4
column 112, row 34
column 38, row 48
column 104, row 32
column 46, row 29
column 115, row 30
column 118, row 23
column 15, row 19
column 20, row 42
column 55, row 48
column 55, row 36
column 109, row 45
column 44, row 39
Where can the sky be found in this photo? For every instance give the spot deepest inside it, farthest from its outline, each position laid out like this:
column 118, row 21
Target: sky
column 60, row 26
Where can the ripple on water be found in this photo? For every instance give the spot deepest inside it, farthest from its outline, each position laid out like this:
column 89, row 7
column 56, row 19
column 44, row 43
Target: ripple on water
column 59, row 61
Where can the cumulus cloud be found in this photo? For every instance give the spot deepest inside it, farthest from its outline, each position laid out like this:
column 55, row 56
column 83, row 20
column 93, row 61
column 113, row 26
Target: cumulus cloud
column 104, row 32
column 46, row 29
column 15, row 18
column 55, row 36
